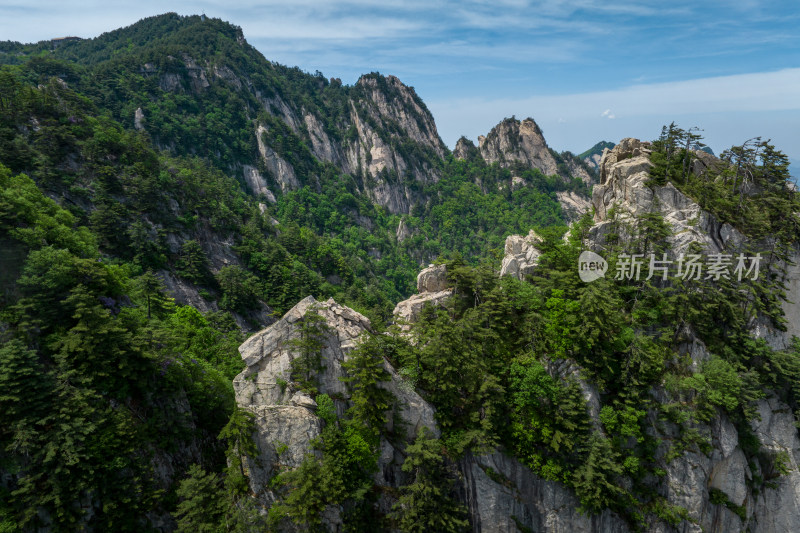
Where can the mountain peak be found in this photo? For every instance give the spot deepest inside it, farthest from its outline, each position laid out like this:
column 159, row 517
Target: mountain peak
column 518, row 141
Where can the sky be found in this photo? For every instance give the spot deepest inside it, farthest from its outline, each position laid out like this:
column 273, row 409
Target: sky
column 585, row 70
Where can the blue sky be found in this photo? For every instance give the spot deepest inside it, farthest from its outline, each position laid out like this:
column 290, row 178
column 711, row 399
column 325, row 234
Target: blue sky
column 585, row 70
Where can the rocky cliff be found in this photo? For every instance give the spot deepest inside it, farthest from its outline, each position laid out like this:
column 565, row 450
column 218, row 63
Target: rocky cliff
column 378, row 131
column 381, row 114
column 500, row 493
column 285, row 415
column 522, row 144
column 432, row 288
column 624, row 188
column 515, row 141
column 623, row 195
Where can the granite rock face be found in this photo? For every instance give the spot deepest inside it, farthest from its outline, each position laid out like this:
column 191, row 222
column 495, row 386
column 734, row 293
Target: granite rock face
column 515, row 141
column 624, row 173
column 432, row 288
column 523, row 499
column 521, row 255
column 573, row 205
column 285, row 416
column 465, row 149
column 691, row 476
column 384, row 111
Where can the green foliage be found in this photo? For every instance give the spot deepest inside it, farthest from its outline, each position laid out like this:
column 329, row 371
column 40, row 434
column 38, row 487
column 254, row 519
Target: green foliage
column 240, row 288
column 341, row 476
column 203, row 504
column 718, row 497
column 192, row 263
column 426, row 503
column 97, row 364
column 717, row 384
column 366, row 371
column 548, row 420
column 307, row 347
column 91, row 361
column 595, row 481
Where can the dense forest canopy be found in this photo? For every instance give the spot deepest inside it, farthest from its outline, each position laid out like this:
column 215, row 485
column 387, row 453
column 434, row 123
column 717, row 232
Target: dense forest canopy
column 118, row 411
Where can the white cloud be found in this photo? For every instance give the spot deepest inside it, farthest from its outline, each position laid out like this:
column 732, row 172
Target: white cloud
column 736, row 103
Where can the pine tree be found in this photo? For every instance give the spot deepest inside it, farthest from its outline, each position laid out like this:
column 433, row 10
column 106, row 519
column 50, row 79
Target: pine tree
column 365, row 371
column 308, row 346
column 426, row 503
column 192, row 263
column 204, row 505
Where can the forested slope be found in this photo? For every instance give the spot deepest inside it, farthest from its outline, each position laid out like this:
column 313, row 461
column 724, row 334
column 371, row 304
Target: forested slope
column 166, row 191
column 137, row 246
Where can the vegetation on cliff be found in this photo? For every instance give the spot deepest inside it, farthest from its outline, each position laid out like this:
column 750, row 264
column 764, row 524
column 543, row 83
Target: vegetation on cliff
column 117, row 406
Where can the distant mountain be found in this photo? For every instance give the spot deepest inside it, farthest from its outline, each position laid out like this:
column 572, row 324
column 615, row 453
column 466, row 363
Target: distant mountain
column 592, row 155
column 519, row 146
column 166, row 190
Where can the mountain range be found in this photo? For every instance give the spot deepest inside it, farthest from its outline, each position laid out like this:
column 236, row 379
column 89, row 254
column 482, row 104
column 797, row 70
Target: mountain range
column 237, row 296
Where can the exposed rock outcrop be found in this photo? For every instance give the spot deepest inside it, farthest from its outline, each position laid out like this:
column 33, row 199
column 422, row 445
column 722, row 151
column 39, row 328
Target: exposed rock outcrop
column 257, row 184
column 774, row 508
column 281, row 171
column 465, row 149
column 624, row 176
column 502, row 495
column 521, row 255
column 138, row 119
column 384, row 136
column 395, row 101
column 573, row 205
column 515, row 141
column 285, row 416
column 433, row 289
column 403, row 232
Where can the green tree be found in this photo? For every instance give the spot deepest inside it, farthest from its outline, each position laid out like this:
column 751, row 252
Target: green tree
column 311, row 337
column 192, row 263
column 426, row 504
column 365, row 372
column 151, row 288
column 203, row 502
column 240, row 288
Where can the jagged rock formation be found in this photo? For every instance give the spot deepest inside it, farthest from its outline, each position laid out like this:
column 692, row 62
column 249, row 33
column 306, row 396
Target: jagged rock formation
column 498, row 491
column 285, row 415
column 521, row 255
column 280, row 169
column 381, row 114
column 515, row 141
column 573, row 205
column 432, row 288
column 465, row 149
column 624, row 173
column 776, row 508
column 624, row 176
column 381, row 111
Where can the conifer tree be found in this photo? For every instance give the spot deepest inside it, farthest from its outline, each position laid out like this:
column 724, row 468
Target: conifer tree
column 426, row 504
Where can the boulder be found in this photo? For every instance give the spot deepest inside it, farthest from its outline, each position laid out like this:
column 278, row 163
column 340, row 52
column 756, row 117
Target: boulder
column 432, row 279
column 521, row 255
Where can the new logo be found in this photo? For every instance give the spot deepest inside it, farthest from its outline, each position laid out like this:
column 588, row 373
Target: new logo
column 591, row 266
